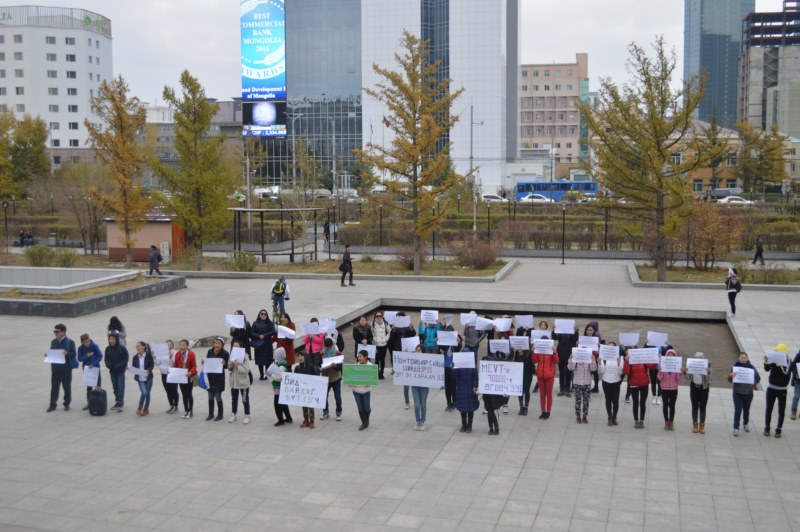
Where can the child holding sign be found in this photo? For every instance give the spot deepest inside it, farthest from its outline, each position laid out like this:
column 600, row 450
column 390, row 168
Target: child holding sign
column 306, row 368
column 743, row 388
column 582, row 384
column 281, row 410
column 669, row 382
column 362, row 394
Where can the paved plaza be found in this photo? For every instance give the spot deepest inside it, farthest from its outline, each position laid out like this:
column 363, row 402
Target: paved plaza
column 71, row 471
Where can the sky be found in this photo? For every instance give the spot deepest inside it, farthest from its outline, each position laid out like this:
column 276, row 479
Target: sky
column 155, row 40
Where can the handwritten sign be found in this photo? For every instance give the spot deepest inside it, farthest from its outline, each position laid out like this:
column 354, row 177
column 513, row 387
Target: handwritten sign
column 500, row 378
column 776, row 357
column 520, row 342
column 428, row 316
column 671, row 364
column 483, row 324
column 581, row 355
column 629, row 339
column 743, row 375
column 502, row 324
column 463, row 359
column 237, row 354
column 589, row 341
column 538, row 334
column 648, row 355
column 609, row 353
column 543, row 347
column 565, row 327
column 468, row 318
column 234, row 320
column 657, row 339
column 499, row 345
column 360, row 375
column 311, row 328
column 90, row 376
column 418, row 369
column 298, row 389
column 447, row 338
column 697, row 366
column 524, row 320
column 178, row 376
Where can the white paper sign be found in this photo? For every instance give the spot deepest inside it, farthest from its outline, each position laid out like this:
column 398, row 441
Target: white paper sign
column 178, row 376
column 402, row 321
column 463, row 359
column 776, row 357
column 90, row 376
column 565, row 327
column 499, row 345
column 483, row 324
column 160, row 351
column 657, row 339
column 743, row 375
column 419, row 369
column 524, row 320
column 589, row 341
column 273, row 369
column 697, row 366
column 311, row 328
column 237, row 354
column 328, row 326
column 369, row 348
column 447, row 338
column 213, row 365
column 234, row 320
column 428, row 316
column 537, row 334
column 286, row 332
column 298, row 389
column 671, row 364
column 520, row 342
column 409, row 344
column 500, row 378
column 581, row 355
column 648, row 355
column 609, row 353
column 502, row 324
column 629, row 339
column 543, row 347
column 389, row 316
column 55, row 356
column 448, row 320
column 136, row 372
column 330, row 361
column 468, row 318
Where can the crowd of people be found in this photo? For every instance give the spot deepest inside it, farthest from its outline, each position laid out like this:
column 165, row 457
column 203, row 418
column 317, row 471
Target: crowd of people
column 273, row 355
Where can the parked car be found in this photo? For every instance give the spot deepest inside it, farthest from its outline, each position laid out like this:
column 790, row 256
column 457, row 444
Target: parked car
column 493, row 198
column 535, row 198
column 735, row 200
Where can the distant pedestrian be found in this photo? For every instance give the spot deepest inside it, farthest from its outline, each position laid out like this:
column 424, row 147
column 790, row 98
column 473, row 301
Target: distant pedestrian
column 155, row 258
column 61, row 374
column 279, row 294
column 732, row 287
column 759, row 251
column 346, row 267
column 326, row 231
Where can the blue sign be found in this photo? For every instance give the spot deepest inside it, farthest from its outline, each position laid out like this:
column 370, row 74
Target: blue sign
column 263, row 50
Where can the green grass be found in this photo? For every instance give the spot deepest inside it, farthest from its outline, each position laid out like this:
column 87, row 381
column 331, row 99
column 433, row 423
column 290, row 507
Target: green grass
column 717, row 275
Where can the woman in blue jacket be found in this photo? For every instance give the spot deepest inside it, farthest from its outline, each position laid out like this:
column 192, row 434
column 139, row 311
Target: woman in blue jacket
column 427, row 333
column 89, row 353
column 143, row 359
column 466, row 397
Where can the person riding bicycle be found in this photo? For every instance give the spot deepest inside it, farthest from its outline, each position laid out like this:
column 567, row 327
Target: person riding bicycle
column 280, row 293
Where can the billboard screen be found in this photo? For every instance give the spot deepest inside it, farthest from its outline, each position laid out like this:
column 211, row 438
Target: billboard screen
column 264, row 119
column 263, row 50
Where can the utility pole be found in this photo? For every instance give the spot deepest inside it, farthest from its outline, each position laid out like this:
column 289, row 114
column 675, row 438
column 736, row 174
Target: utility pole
column 471, row 169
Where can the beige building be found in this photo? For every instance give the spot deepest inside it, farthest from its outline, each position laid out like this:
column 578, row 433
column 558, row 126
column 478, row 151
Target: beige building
column 549, row 114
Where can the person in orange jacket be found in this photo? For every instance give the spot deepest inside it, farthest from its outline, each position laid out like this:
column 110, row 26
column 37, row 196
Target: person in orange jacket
column 546, row 365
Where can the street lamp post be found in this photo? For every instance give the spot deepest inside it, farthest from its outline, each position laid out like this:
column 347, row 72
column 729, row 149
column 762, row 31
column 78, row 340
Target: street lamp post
column 52, row 209
column 471, row 169
column 293, row 117
column 563, row 231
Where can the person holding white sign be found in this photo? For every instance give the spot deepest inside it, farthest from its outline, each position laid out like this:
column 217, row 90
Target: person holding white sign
column 164, row 363
column 281, row 410
column 242, row 334
column 334, row 374
column 362, row 335
column 186, row 359
column 216, row 381
column 240, row 385
column 592, row 329
column 546, row 364
column 581, row 384
column 638, row 382
column 143, row 360
column 116, row 357
column 669, row 381
column 396, row 346
column 61, row 374
column 492, row 402
column 466, row 400
column 742, row 393
column 473, row 337
column 90, row 355
column 305, row 367
column 698, row 393
column 287, row 343
column 565, row 344
column 611, row 373
column 428, row 332
column 381, row 332
column 261, row 333
column 780, row 374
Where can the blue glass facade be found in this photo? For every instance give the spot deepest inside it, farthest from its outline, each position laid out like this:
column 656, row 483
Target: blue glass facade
column 435, row 25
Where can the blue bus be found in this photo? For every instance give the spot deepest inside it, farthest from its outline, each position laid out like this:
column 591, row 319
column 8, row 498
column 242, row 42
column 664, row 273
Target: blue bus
column 554, row 189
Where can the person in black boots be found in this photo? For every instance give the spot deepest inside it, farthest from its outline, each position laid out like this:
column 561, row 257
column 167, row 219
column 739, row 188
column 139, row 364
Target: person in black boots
column 779, row 377
column 61, row 374
column 466, row 401
column 216, row 381
column 492, row 403
column 346, row 267
column 116, row 357
column 564, row 349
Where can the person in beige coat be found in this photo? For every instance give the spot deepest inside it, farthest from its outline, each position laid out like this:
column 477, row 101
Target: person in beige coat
column 239, row 379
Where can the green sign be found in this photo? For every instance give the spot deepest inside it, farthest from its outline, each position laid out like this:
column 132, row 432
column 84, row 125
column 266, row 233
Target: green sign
column 360, row 375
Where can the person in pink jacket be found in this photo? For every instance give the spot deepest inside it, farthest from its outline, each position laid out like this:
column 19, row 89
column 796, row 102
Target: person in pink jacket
column 669, row 392
column 314, row 347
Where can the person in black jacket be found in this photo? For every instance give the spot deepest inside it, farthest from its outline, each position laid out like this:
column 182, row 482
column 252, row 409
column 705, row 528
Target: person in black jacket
column 779, row 377
column 143, row 359
column 261, row 333
column 346, row 267
column 216, row 381
column 795, row 385
column 61, row 374
column 564, row 349
column 362, row 334
column 396, row 345
column 116, row 357
column 242, row 335
column 732, row 287
column 306, row 368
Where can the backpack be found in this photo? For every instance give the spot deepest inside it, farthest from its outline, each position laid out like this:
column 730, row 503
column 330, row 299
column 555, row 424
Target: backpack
column 279, row 288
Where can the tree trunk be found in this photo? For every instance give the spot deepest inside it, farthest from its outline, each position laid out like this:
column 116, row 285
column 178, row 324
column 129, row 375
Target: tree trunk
column 417, row 239
column 198, row 258
column 661, row 247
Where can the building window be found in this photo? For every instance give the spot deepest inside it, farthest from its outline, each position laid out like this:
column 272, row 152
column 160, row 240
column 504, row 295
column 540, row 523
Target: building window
column 72, row 108
column 677, row 157
column 74, row 159
column 569, row 72
column 549, row 117
column 2, row 73
column 90, row 76
column 569, row 144
column 569, row 86
column 572, row 131
column 535, row 73
column 2, row 91
column 2, row 39
column 547, row 87
column 70, row 58
column 73, row 143
column 527, row 103
column 72, row 92
column 561, row 117
column 89, row 42
column 50, row 40
column 558, row 144
column 557, row 158
column 524, row 73
column 562, row 131
column 97, row 44
column 55, row 143
column 73, row 125
column 2, row 56
column 525, row 88
column 697, row 185
column 550, row 131
column 558, row 87
column 69, row 41
column 536, row 88
column 539, row 131
column 20, row 91
column 19, row 73
column 731, row 159
column 90, row 59
column 53, row 108
column 3, row 107
column 547, row 73
column 71, row 74
column 20, row 107
column 51, row 57
column 56, row 160
column 569, row 157
column 18, row 39
column 96, row 60
column 52, row 74
column 558, row 72
column 17, row 56
column 54, row 126
column 731, row 183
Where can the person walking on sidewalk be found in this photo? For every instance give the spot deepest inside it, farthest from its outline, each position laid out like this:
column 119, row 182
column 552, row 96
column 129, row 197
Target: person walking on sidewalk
column 346, row 267
column 759, row 251
column 154, row 257
column 779, row 377
column 732, row 287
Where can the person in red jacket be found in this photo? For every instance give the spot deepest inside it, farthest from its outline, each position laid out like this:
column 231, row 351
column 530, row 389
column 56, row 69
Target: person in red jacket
column 638, row 381
column 546, row 365
column 186, row 359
